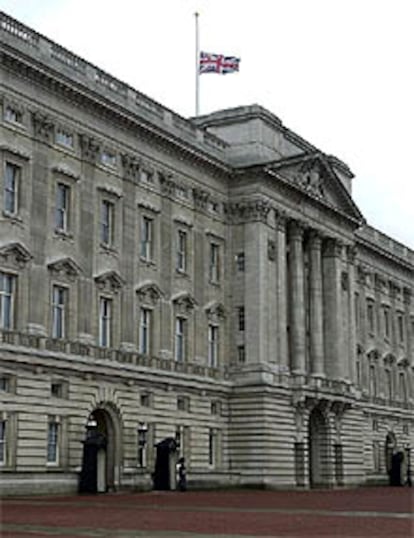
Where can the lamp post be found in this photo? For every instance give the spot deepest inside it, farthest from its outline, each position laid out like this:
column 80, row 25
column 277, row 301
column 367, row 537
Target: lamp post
column 142, row 432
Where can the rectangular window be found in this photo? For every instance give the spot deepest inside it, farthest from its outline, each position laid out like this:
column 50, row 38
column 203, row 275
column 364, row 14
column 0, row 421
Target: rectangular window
column 11, row 188
column 181, row 251
column 388, row 382
column 4, row 383
column 145, row 331
column 62, row 207
column 108, row 159
column 145, row 399
column 240, row 262
column 7, row 300
column 376, row 456
column 63, row 138
column 179, row 351
column 52, row 442
column 387, row 325
column 2, row 442
column 13, row 115
column 400, row 321
column 59, row 295
column 212, row 438
column 241, row 354
column 214, row 261
column 403, row 387
column 241, row 318
column 372, row 381
column 107, row 222
column 371, row 317
column 146, row 249
column 213, row 345
column 105, row 322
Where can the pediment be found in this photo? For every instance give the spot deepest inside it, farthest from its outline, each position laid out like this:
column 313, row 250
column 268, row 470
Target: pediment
column 215, row 311
column 149, row 292
column 15, row 253
column 314, row 174
column 184, row 302
column 65, row 267
column 110, row 280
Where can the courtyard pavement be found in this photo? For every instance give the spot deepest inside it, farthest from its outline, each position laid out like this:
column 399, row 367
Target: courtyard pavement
column 357, row 513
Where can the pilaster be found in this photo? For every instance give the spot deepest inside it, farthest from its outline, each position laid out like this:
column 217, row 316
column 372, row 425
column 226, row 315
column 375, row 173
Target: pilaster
column 316, row 304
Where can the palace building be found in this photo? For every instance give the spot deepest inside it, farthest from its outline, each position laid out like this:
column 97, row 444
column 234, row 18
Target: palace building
column 203, row 288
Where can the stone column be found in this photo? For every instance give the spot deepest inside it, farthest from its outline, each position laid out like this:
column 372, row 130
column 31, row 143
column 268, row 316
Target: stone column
column 283, row 358
column 316, row 306
column 352, row 339
column 297, row 298
column 332, row 312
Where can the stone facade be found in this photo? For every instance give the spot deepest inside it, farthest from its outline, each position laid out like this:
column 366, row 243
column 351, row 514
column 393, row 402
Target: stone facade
column 207, row 280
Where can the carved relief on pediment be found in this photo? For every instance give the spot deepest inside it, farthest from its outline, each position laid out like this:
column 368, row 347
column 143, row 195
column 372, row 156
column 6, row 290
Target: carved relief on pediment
column 183, row 303
column 65, row 268
column 15, row 255
column 215, row 311
column 149, row 293
column 311, row 177
column 110, row 281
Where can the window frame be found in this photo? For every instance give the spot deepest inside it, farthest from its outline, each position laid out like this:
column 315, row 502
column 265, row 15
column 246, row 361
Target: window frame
column 63, row 210
column 11, row 295
column 145, row 329
column 107, row 223
column 146, row 249
column 105, row 335
column 180, row 335
column 182, row 251
column 17, row 179
column 53, row 441
column 214, row 260
column 60, row 308
column 213, row 345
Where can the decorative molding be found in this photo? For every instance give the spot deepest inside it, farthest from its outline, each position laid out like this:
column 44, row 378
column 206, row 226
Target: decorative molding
column 271, row 250
column 215, row 311
column 110, row 280
column 201, row 198
column 65, row 171
column 17, row 152
column 149, row 293
column 109, row 191
column 183, row 302
column 90, row 147
column 15, row 253
column 66, row 267
column 148, row 207
column 43, row 126
column 247, row 211
column 132, row 166
column 167, row 185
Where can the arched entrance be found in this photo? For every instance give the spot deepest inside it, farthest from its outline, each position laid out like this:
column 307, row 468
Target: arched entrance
column 319, row 471
column 101, row 451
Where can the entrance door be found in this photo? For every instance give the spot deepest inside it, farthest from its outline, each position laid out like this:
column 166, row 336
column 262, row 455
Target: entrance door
column 319, row 472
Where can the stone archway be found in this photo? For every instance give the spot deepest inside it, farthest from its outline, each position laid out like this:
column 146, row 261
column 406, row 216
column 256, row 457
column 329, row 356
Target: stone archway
column 318, row 439
column 102, row 449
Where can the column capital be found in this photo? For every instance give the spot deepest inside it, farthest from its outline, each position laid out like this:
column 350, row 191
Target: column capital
column 333, row 247
column 315, row 239
column 281, row 220
column 296, row 229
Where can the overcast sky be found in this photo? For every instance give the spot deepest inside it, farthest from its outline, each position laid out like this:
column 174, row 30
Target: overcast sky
column 338, row 72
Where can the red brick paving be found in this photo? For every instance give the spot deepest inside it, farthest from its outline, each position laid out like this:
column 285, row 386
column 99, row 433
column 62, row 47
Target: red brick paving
column 359, row 513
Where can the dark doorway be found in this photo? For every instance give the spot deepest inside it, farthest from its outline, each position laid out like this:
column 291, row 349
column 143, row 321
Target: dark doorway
column 100, row 453
column 164, row 473
column 319, row 472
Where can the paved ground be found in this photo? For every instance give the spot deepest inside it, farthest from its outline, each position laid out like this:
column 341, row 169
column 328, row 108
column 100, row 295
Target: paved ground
column 359, row 513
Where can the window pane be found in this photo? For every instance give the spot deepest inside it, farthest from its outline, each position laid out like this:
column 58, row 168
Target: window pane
column 6, row 300
column 52, row 442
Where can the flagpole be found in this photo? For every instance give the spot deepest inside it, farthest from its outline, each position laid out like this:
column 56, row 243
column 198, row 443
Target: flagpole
column 197, row 66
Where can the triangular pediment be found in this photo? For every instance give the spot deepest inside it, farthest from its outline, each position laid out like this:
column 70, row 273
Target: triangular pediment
column 215, row 310
column 314, row 174
column 149, row 292
column 183, row 301
column 65, row 266
column 110, row 280
column 15, row 252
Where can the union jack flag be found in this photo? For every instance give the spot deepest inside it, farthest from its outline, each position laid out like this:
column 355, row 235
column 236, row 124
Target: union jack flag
column 218, row 63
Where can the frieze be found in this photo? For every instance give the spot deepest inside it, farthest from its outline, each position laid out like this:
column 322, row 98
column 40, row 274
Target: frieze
column 247, row 211
column 43, row 127
column 311, row 177
column 167, row 185
column 15, row 254
column 90, row 147
column 131, row 166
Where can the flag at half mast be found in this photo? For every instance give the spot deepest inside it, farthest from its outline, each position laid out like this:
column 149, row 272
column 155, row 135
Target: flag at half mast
column 218, row 63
